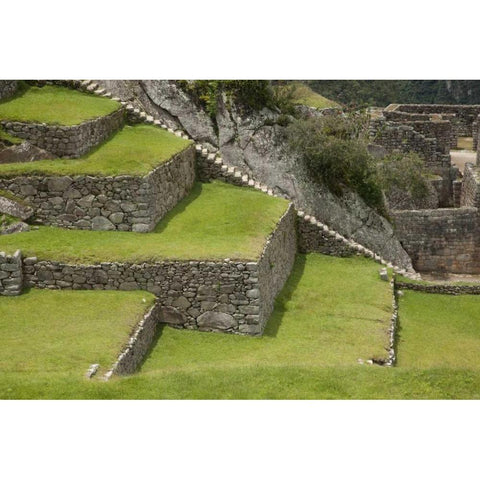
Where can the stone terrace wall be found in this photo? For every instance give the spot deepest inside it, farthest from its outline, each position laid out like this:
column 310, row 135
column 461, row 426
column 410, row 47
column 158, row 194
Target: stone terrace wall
column 67, row 141
column 107, row 203
column 7, row 88
column 226, row 296
column 470, row 195
column 442, row 240
column 11, row 276
column 275, row 264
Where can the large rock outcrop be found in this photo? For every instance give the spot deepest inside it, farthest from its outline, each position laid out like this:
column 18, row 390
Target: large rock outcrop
column 256, row 143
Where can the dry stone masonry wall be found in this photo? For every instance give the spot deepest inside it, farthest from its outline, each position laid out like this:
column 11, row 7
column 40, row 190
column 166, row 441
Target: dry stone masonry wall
column 7, row 88
column 445, row 289
column 11, row 275
column 107, row 203
column 231, row 296
column 138, row 345
column 67, row 141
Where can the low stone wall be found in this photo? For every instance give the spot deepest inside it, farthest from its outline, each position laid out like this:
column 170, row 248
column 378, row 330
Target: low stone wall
column 11, row 276
column 313, row 239
column 138, row 345
column 441, row 240
column 67, row 141
column 107, row 203
column 446, row 289
column 7, row 88
column 227, row 296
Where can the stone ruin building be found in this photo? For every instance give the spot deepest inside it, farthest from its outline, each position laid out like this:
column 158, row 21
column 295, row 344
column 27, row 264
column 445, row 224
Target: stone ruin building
column 442, row 234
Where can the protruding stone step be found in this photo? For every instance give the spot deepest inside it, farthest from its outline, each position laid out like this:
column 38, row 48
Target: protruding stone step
column 92, row 87
column 99, row 91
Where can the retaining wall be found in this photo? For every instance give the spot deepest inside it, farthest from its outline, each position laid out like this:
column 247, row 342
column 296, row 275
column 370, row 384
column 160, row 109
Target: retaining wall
column 313, row 239
column 11, row 276
column 107, row 203
column 441, row 240
column 67, row 141
column 227, row 296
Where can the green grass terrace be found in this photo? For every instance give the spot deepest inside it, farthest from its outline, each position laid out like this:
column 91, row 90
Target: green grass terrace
column 216, row 221
column 55, row 106
column 134, row 150
column 49, row 335
column 331, row 312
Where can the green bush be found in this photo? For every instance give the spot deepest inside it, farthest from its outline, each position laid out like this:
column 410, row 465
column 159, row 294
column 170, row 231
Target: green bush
column 334, row 153
column 405, row 172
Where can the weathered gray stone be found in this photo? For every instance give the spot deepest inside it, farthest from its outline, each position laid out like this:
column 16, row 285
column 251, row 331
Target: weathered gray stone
column 14, row 208
column 102, row 223
column 216, row 320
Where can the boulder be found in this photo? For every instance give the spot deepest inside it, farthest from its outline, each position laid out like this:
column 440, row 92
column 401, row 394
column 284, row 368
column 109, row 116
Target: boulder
column 102, row 223
column 15, row 209
column 216, row 320
column 171, row 316
column 25, row 152
column 18, row 227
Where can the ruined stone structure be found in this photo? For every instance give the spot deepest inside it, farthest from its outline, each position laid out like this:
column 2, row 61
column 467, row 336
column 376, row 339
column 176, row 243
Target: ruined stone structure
column 443, row 239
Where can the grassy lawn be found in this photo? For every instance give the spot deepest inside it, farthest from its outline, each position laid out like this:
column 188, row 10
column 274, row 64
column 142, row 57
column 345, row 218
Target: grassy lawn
column 439, row 331
column 324, row 320
column 304, row 95
column 215, row 221
column 131, row 151
column 55, row 105
column 331, row 312
column 47, row 333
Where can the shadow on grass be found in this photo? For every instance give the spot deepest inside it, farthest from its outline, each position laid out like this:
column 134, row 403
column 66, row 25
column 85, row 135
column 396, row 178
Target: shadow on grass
column 275, row 320
column 181, row 206
column 153, row 345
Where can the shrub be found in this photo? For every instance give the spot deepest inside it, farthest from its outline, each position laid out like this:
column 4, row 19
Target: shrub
column 334, row 153
column 403, row 172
